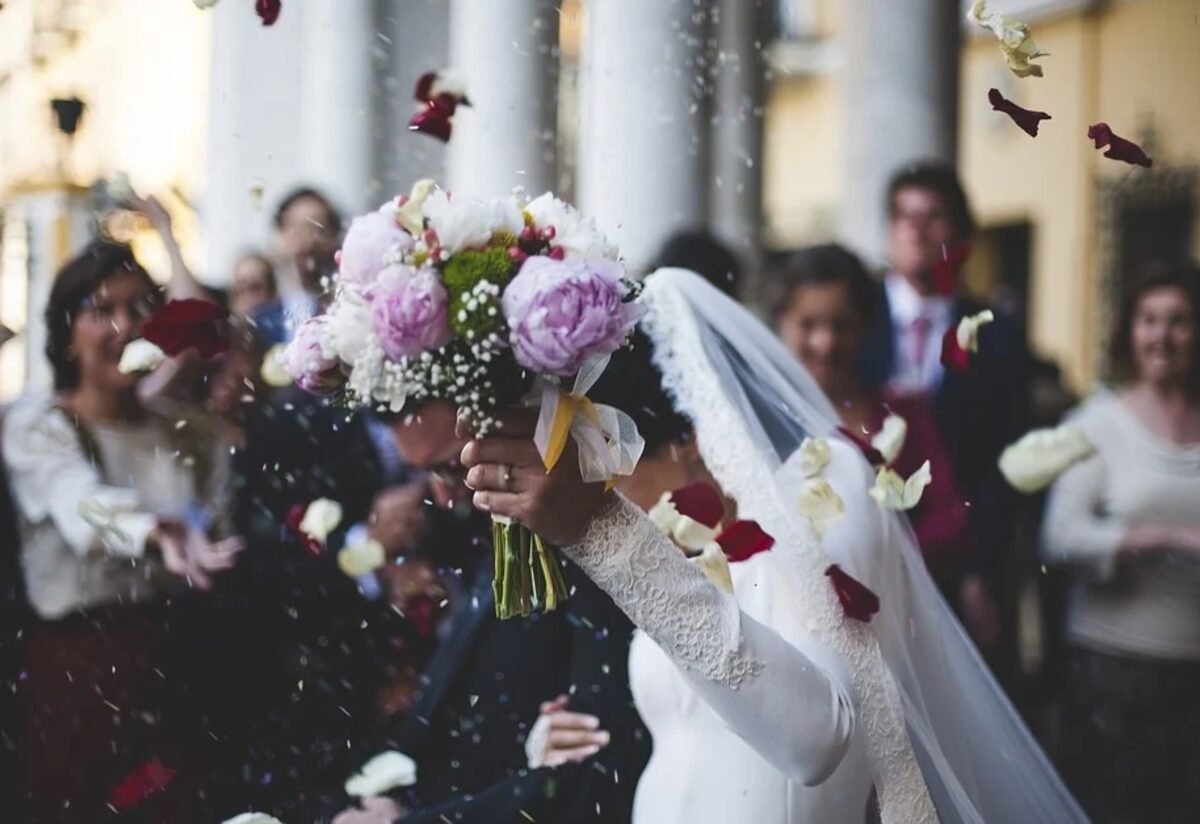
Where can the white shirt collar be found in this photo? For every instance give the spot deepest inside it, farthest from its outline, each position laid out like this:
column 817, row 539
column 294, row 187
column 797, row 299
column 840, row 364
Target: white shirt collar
column 907, row 304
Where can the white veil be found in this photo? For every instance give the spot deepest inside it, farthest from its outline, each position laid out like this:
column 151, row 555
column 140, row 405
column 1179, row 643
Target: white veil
column 937, row 725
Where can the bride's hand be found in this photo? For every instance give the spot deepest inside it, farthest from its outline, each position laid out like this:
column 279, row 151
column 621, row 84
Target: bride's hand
column 559, row 737
column 509, row 479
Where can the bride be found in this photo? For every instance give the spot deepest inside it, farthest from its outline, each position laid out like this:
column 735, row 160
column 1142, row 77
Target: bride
column 770, row 704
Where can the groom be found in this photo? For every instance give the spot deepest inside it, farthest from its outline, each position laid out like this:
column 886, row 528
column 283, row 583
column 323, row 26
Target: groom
column 482, row 691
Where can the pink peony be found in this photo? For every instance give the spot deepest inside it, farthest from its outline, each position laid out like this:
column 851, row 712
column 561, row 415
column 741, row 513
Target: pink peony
column 371, row 240
column 409, row 312
column 305, row 359
column 560, row 313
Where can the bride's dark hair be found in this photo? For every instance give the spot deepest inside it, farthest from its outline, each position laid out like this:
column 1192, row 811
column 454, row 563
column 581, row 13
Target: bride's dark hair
column 633, row 384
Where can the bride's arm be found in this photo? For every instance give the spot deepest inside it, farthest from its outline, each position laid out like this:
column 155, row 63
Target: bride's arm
column 790, row 702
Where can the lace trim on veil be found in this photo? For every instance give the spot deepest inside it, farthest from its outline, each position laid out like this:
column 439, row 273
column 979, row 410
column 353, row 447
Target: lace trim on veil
column 733, row 458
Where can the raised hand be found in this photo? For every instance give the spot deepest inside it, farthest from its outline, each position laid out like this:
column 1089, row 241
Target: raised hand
column 559, row 736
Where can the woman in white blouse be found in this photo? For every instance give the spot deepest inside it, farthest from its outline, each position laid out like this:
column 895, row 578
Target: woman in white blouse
column 1127, row 520
column 109, row 499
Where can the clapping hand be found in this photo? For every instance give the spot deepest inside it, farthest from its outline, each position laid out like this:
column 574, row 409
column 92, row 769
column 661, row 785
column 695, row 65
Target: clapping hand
column 509, row 479
column 189, row 554
column 559, row 736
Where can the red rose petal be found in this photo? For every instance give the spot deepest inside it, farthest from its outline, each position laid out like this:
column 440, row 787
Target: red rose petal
column 1118, row 147
column 424, row 87
column 874, row 456
column 947, row 271
column 268, row 10
column 188, row 324
column 743, row 539
column 295, row 515
column 954, row 356
column 700, row 502
column 150, row 778
column 434, row 120
column 1027, row 119
column 857, row 601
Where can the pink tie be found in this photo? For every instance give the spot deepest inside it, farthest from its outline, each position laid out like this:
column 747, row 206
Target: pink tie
column 918, row 339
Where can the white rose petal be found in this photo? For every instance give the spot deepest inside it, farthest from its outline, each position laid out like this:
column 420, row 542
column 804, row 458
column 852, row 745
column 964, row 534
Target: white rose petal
column 321, row 518
column 273, row 373
column 820, row 505
column 663, row 514
column 691, row 534
column 409, row 215
column 893, row 492
column 814, row 456
column 1034, row 462
column 384, row 772
column 252, row 818
column 360, row 559
column 967, row 332
column 889, row 440
column 1015, row 40
column 140, row 355
column 715, row 566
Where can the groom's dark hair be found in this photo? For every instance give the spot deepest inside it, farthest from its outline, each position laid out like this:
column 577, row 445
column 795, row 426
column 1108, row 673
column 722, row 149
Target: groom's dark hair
column 633, row 384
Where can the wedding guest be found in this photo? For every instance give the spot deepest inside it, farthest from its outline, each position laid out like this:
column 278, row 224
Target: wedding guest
column 699, row 251
column 105, row 491
column 482, row 690
column 1126, row 523
column 824, row 312
column 978, row 412
column 252, row 286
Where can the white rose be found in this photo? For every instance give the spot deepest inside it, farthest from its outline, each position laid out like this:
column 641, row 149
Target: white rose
column 889, row 440
column 967, row 332
column 384, row 772
column 715, row 566
column 140, row 355
column 465, row 222
column 893, row 492
column 813, row 456
column 820, row 505
column 251, row 818
column 359, row 559
column 1034, row 462
column 576, row 235
column 347, row 329
column 321, row 518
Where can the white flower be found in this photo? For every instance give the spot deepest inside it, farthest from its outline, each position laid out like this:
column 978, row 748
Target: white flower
column 322, row 517
column 893, row 492
column 249, row 818
column 1036, row 460
column 577, row 235
column 140, row 355
column 410, row 215
column 1015, row 40
column 813, row 456
column 273, row 373
column 384, row 772
column 967, row 333
column 359, row 559
column 820, row 505
column 889, row 440
column 465, row 222
column 715, row 565
column 347, row 328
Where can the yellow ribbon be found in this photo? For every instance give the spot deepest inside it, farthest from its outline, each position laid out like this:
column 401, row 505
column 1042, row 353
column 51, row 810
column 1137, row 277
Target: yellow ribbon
column 564, row 416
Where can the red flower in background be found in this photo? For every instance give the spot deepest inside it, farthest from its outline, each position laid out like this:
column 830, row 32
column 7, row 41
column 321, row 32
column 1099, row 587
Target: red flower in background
column 268, row 10
column 146, row 780
column 874, row 456
column 954, row 356
column 1118, row 147
column 441, row 101
column 188, row 324
column 1027, row 119
column 295, row 515
column 744, row 539
column 857, row 601
column 700, row 502
column 947, row 271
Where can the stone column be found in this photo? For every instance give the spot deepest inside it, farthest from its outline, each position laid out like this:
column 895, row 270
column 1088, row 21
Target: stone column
column 336, row 114
column 506, row 52
column 642, row 136
column 735, row 182
column 901, row 92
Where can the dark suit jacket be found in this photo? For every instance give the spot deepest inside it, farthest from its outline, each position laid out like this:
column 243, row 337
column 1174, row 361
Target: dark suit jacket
column 481, row 693
column 978, row 412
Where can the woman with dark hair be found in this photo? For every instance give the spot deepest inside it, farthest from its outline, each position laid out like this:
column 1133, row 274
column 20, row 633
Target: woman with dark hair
column 824, row 311
column 107, row 496
column 1127, row 521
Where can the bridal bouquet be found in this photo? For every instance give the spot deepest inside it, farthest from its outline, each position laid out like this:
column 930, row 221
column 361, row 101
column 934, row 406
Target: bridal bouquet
column 483, row 304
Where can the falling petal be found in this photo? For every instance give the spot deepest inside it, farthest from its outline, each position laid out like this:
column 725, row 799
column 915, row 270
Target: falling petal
column 140, row 355
column 894, row 493
column 715, row 565
column 743, row 539
column 384, row 772
column 1027, row 119
column 813, row 456
column 857, row 601
column 1118, row 147
column 1036, row 460
column 1015, row 41
column 820, row 505
column 268, row 10
column 890, row 438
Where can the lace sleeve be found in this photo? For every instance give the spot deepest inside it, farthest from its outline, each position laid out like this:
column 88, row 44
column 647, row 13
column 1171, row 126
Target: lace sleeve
column 757, row 682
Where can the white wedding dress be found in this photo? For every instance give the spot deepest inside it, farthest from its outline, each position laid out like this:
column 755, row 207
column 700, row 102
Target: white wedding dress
column 771, row 705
